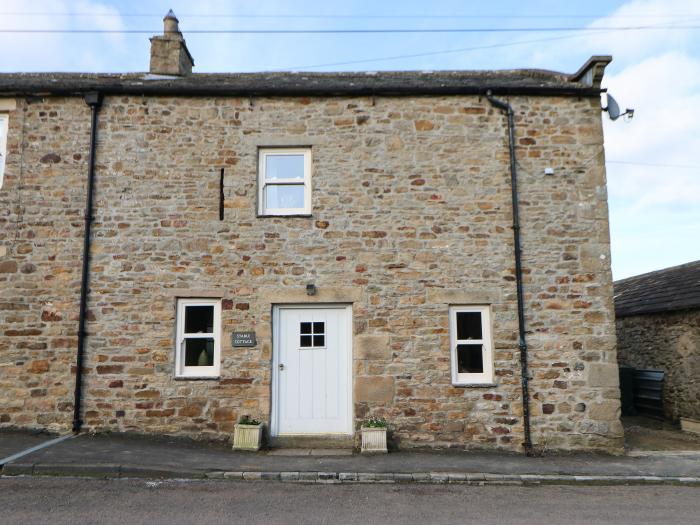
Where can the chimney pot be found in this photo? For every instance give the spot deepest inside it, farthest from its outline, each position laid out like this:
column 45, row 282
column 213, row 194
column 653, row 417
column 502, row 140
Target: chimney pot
column 170, row 23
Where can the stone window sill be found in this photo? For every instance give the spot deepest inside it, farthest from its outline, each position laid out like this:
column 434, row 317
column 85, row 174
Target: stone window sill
column 474, row 385
column 296, row 216
column 197, row 378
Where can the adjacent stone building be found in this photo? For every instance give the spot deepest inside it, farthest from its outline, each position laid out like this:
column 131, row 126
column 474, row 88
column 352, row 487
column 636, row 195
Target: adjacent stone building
column 658, row 327
column 309, row 249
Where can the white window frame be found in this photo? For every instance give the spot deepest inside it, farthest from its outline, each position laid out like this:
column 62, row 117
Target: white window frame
column 4, row 127
column 263, row 154
column 197, row 371
column 485, row 377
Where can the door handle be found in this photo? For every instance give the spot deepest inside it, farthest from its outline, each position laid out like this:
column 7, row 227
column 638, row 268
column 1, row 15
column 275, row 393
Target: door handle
column 281, row 366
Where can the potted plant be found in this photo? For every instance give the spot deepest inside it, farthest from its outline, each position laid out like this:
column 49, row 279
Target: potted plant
column 373, row 436
column 247, row 434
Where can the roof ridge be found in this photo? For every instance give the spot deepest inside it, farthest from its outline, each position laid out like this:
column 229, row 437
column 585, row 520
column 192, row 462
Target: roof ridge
column 666, row 290
column 662, row 270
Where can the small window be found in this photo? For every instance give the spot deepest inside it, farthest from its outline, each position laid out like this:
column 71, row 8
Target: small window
column 471, row 345
column 4, row 119
column 198, row 351
column 312, row 335
column 285, row 181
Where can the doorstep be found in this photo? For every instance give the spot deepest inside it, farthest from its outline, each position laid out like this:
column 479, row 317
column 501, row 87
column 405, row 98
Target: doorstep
column 313, row 442
column 310, row 452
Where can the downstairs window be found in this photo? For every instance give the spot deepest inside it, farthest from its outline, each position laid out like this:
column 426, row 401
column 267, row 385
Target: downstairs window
column 471, row 345
column 198, row 346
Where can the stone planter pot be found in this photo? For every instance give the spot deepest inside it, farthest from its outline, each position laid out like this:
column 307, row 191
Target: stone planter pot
column 373, row 440
column 247, row 437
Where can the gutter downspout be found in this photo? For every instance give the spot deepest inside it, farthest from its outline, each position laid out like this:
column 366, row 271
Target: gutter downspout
column 507, row 108
column 94, row 100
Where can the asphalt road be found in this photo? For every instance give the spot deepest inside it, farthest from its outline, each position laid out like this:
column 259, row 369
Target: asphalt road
column 82, row 501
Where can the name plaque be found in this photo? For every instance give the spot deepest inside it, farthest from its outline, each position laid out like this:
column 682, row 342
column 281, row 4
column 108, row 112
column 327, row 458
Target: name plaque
column 243, row 339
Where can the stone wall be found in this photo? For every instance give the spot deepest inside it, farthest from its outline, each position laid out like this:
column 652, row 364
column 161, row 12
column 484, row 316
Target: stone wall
column 41, row 227
column 668, row 341
column 411, row 213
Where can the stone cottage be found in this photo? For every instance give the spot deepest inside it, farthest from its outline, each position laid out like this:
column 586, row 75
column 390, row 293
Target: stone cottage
column 308, row 249
column 658, row 327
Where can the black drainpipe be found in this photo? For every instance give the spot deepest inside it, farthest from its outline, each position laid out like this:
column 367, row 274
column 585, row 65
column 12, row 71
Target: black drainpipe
column 94, row 100
column 505, row 106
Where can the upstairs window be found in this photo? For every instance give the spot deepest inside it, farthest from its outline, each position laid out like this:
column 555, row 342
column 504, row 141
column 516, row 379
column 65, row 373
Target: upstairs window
column 285, row 181
column 3, row 144
column 198, row 350
column 471, row 345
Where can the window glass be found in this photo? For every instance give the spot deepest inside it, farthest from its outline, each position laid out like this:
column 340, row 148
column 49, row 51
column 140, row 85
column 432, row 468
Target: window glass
column 470, row 359
column 3, row 144
column 281, row 167
column 284, row 196
column 199, row 319
column 469, row 325
column 199, row 352
column 312, row 335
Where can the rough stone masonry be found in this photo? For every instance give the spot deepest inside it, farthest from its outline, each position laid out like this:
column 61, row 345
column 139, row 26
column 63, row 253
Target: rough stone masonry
column 668, row 341
column 411, row 213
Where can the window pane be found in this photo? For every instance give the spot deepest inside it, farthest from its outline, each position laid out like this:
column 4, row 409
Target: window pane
column 469, row 325
column 279, row 167
column 284, row 196
column 319, row 328
column 305, row 341
column 469, row 359
column 199, row 319
column 305, row 328
column 3, row 144
column 199, row 352
column 319, row 340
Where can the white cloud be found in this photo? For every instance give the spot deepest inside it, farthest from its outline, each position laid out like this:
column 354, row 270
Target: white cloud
column 632, row 46
column 24, row 52
column 664, row 90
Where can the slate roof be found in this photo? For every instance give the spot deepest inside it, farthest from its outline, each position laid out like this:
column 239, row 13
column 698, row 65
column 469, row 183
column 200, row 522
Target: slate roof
column 676, row 288
column 517, row 81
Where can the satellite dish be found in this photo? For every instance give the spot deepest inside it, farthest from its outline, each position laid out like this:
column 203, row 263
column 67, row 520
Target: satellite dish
column 613, row 108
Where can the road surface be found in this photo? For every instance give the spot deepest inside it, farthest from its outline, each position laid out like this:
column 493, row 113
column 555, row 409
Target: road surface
column 81, row 501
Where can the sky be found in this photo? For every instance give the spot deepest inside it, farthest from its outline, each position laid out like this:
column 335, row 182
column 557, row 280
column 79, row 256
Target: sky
column 653, row 173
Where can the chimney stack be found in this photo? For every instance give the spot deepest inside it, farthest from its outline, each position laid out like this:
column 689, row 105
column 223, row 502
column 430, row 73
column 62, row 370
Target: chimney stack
column 169, row 54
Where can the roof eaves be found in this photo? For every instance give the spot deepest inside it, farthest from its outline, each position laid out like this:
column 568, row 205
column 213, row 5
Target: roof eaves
column 299, row 84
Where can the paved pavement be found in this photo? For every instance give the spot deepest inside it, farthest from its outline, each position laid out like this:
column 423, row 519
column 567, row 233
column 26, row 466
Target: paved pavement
column 58, row 501
column 121, row 455
column 12, row 442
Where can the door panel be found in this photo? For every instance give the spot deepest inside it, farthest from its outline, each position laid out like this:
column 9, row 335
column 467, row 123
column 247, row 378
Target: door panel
column 312, row 370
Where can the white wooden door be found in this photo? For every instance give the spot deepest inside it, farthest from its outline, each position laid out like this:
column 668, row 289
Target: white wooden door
column 312, row 370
